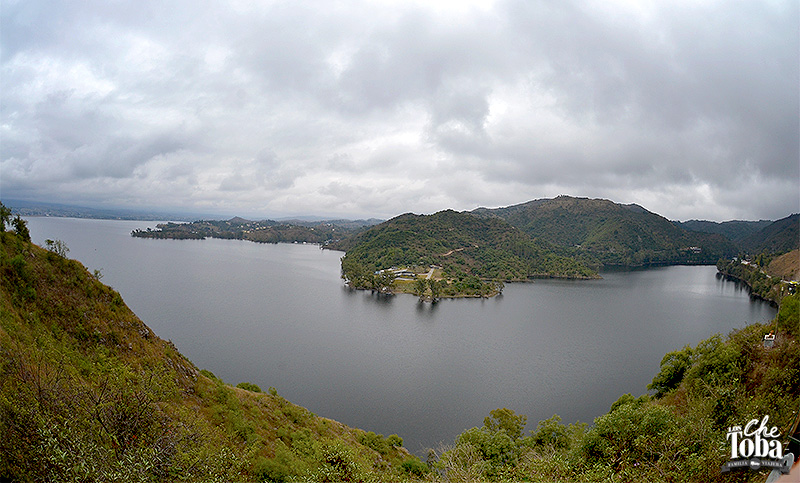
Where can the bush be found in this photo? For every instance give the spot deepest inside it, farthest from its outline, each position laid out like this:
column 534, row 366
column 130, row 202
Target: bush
column 673, row 367
column 495, row 447
column 550, row 432
column 283, row 467
column 247, row 386
column 394, row 440
column 374, row 441
column 788, row 319
column 415, row 468
column 57, row 246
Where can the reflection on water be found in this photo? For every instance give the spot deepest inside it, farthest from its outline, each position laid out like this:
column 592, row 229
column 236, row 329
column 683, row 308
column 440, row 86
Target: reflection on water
column 278, row 315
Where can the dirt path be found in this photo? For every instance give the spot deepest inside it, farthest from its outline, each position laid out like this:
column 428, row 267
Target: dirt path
column 456, row 250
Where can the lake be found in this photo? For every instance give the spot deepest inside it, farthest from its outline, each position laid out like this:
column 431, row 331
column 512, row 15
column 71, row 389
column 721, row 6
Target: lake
column 279, row 315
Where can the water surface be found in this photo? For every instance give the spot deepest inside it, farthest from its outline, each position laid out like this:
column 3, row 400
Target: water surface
column 278, row 315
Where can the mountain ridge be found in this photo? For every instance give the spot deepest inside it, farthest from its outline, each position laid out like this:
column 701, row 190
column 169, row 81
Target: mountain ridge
column 612, row 233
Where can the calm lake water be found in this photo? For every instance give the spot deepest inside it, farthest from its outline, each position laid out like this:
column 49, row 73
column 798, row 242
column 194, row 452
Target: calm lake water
column 279, row 315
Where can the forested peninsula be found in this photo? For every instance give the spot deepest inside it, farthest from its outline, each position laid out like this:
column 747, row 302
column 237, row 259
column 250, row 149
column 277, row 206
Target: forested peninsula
column 451, row 254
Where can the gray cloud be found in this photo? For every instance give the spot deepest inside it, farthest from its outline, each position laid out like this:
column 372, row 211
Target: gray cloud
column 373, row 109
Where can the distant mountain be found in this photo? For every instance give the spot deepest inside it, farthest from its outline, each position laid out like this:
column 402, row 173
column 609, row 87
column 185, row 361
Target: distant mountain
column 736, row 230
column 778, row 237
column 37, row 208
column 462, row 244
column 612, row 233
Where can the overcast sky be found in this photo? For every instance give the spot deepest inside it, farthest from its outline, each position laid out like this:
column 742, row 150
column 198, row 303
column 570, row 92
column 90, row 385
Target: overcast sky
column 376, row 108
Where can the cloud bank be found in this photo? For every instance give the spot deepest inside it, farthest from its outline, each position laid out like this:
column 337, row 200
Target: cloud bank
column 364, row 108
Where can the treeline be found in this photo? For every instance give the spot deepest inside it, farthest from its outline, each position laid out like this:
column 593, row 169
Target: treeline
column 265, row 231
column 678, row 434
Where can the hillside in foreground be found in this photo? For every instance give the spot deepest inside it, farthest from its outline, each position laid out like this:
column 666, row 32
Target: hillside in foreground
column 89, row 393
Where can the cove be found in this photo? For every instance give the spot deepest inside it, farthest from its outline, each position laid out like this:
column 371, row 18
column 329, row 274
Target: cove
column 279, row 315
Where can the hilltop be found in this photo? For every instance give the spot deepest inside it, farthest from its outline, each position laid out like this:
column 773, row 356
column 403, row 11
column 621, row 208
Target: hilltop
column 89, row 393
column 612, row 233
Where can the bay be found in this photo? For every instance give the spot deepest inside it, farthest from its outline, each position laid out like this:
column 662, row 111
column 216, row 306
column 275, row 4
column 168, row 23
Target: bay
column 279, row 315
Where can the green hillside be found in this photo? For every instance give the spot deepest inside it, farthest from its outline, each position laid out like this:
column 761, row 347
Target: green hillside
column 463, row 245
column 611, row 233
column 89, row 393
column 779, row 237
column 734, row 230
column 754, row 237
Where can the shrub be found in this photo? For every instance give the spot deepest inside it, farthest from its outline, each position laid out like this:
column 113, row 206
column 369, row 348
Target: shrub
column 673, row 367
column 495, row 447
column 550, row 432
column 374, row 441
column 789, row 315
column 504, row 419
column 394, row 440
column 415, row 468
column 57, row 246
column 247, row 386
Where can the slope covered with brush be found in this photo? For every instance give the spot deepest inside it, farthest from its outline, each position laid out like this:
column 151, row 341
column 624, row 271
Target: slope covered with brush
column 89, row 393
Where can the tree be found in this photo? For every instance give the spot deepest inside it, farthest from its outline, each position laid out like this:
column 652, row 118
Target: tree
column 420, row 287
column 5, row 217
column 383, row 281
column 21, row 227
column 673, row 367
column 551, row 432
column 506, row 420
column 436, row 288
column 59, row 248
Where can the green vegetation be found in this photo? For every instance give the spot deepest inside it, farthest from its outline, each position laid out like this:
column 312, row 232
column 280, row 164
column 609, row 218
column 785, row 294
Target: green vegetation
column 761, row 284
column 769, row 267
column 779, row 237
column 736, row 230
column 265, row 231
column 89, row 393
column 612, row 234
column 473, row 253
column 677, row 435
